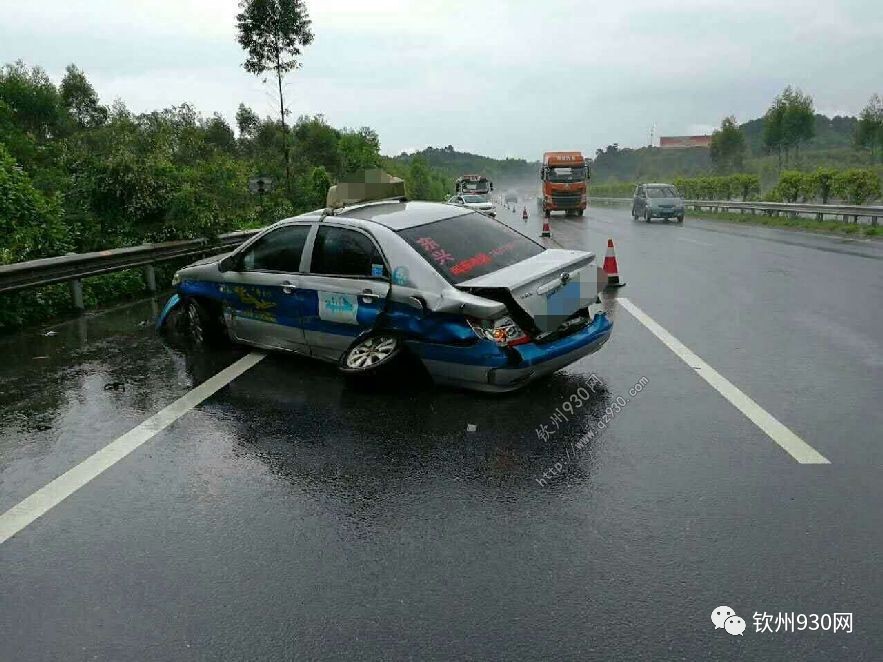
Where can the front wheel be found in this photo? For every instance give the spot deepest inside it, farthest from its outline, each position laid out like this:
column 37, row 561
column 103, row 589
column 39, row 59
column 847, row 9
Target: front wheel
column 371, row 355
column 579, row 212
column 647, row 216
column 681, row 218
column 202, row 324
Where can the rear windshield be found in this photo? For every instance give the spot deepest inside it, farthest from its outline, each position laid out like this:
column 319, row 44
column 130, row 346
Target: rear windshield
column 469, row 246
column 662, row 192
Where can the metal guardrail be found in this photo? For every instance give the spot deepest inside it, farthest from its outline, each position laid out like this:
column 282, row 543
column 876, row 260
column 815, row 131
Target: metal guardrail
column 74, row 267
column 874, row 213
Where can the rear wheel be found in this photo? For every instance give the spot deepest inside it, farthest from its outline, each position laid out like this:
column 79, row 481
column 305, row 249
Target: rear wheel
column 579, row 212
column 371, row 356
column 681, row 218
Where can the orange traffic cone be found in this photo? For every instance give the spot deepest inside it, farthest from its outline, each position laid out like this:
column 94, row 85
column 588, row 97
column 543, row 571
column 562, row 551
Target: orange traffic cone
column 524, row 215
column 547, row 231
column 610, row 267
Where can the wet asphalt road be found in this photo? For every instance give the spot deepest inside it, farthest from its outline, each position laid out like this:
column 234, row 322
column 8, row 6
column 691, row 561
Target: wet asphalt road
column 290, row 516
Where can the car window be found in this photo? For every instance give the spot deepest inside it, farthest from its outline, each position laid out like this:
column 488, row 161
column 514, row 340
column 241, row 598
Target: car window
column 279, row 250
column 662, row 192
column 342, row 252
column 468, row 246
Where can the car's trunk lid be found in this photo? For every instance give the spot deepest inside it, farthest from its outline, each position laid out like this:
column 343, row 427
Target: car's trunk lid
column 548, row 287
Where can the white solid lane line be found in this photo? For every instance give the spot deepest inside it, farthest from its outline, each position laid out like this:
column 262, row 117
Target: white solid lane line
column 49, row 496
column 693, row 241
column 790, row 442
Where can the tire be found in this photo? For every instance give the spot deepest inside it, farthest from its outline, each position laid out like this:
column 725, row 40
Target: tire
column 202, row 322
column 578, row 212
column 681, row 218
column 634, row 214
column 372, row 355
column 647, row 216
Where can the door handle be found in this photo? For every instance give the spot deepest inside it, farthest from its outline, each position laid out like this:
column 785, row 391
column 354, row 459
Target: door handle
column 288, row 287
column 368, row 295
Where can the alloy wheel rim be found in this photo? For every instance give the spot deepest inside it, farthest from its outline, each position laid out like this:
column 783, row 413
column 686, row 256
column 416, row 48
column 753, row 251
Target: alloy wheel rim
column 371, row 351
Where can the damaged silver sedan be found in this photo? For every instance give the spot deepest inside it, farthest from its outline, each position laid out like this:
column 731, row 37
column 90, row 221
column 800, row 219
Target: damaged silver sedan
column 480, row 305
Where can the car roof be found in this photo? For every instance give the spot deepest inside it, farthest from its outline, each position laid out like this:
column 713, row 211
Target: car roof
column 398, row 215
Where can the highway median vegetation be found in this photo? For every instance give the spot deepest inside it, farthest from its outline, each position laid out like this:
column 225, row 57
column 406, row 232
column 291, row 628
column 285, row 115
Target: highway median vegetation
column 855, row 186
column 79, row 176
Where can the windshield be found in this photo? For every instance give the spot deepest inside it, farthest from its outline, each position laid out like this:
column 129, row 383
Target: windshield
column 567, row 174
column 469, row 246
column 474, row 198
column 662, row 192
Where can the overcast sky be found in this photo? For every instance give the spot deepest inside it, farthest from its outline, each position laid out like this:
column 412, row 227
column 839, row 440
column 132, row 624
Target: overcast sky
column 502, row 78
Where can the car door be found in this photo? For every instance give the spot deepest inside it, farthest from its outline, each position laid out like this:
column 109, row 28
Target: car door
column 264, row 302
column 345, row 289
column 639, row 201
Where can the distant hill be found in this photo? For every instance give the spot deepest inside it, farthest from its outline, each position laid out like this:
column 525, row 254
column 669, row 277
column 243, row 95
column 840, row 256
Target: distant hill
column 831, row 133
column 504, row 173
column 648, row 164
column 832, row 146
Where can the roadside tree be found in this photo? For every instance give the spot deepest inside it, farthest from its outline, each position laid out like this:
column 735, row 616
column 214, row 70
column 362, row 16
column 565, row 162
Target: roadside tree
column 869, row 131
column 822, row 183
column 273, row 34
column 857, row 186
column 728, row 146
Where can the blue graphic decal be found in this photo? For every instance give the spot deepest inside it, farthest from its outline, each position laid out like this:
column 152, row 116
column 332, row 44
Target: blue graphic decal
column 400, row 275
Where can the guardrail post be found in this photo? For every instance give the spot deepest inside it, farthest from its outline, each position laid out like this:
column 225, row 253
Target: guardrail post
column 874, row 221
column 150, row 277
column 77, row 294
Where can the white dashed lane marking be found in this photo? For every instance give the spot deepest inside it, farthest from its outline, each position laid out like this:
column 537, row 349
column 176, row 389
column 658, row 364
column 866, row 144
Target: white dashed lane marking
column 22, row 514
column 774, row 429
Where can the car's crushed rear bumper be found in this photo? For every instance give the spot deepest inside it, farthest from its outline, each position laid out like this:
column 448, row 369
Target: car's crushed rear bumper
column 486, row 367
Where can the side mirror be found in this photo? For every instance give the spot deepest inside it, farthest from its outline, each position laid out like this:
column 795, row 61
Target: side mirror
column 229, row 263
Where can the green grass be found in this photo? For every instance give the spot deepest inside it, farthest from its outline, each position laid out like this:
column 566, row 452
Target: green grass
column 803, row 224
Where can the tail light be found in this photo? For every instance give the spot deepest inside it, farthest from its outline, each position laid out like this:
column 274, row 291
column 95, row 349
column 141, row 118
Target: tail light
column 504, row 331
